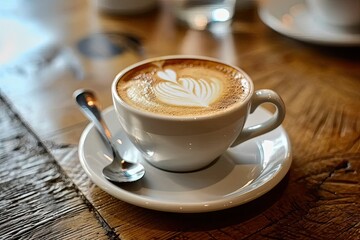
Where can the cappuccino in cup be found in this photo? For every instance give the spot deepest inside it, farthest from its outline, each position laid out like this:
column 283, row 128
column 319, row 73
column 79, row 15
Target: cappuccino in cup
column 182, row 112
column 183, row 87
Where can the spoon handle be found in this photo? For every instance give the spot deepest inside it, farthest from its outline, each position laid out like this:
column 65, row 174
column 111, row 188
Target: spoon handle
column 89, row 105
column 119, row 170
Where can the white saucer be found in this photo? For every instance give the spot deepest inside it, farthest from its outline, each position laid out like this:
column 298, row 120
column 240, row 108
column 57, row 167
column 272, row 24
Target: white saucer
column 292, row 18
column 240, row 175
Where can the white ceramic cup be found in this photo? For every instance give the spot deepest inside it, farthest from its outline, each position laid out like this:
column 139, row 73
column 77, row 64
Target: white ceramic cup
column 183, row 144
column 341, row 14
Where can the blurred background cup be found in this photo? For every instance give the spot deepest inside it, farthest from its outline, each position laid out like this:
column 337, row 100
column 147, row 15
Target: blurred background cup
column 340, row 14
column 126, row 7
column 204, row 14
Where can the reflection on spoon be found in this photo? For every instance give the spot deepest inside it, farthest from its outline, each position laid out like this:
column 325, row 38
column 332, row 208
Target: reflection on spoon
column 119, row 170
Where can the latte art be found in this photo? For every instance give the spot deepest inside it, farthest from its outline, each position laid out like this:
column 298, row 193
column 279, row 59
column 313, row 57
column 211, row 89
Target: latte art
column 183, row 87
column 186, row 91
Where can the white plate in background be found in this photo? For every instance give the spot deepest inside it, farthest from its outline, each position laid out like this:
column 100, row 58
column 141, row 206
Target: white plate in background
column 293, row 19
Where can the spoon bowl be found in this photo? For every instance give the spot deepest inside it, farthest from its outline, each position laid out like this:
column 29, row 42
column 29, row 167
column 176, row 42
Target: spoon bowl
column 120, row 170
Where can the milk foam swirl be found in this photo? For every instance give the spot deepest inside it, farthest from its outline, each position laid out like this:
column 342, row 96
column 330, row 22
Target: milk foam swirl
column 183, row 87
column 186, row 91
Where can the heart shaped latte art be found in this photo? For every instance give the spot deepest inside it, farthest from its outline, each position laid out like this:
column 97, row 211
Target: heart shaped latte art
column 186, row 91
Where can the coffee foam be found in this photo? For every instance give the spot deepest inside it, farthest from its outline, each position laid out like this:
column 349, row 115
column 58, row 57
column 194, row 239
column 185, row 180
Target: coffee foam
column 183, row 87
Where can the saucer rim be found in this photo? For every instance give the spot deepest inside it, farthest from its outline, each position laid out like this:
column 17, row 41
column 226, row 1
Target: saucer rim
column 191, row 207
column 271, row 20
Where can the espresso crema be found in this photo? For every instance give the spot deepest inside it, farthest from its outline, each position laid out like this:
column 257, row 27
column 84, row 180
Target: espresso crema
column 183, row 87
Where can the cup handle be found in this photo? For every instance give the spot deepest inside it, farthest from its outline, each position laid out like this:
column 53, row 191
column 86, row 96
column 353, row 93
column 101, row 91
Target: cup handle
column 260, row 97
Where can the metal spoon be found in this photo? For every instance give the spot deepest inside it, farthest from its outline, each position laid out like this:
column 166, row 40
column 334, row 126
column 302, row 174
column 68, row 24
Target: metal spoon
column 119, row 170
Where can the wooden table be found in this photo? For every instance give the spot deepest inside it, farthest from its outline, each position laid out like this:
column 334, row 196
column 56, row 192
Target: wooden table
column 47, row 54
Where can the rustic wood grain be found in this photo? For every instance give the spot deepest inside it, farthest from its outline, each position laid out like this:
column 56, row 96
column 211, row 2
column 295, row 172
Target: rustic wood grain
column 37, row 200
column 318, row 199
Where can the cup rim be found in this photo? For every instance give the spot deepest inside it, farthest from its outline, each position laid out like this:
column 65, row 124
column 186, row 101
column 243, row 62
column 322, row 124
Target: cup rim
column 151, row 115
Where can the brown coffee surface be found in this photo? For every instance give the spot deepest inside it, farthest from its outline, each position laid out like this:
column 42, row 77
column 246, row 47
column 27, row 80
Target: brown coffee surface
column 183, row 87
